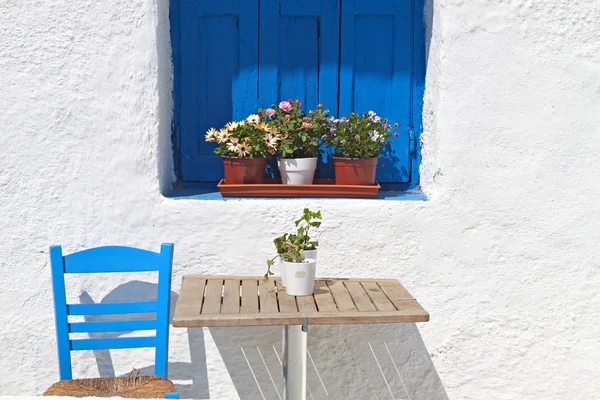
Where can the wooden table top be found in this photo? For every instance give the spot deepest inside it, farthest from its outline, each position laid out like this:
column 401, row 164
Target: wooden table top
column 214, row 300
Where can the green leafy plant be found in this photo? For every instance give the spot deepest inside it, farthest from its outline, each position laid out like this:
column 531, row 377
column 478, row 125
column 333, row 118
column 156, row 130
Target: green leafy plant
column 307, row 221
column 300, row 133
column 291, row 246
column 359, row 136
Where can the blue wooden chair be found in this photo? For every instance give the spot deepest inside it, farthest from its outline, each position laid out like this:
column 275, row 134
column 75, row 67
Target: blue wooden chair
column 104, row 260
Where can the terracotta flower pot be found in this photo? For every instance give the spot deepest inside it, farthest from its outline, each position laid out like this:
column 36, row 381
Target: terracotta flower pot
column 355, row 171
column 244, row 170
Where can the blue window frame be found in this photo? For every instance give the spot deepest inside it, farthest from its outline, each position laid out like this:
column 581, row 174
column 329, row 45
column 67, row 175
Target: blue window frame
column 231, row 57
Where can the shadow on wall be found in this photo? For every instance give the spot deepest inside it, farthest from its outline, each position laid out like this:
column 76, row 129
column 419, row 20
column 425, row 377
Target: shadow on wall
column 194, row 372
column 166, row 175
column 345, row 362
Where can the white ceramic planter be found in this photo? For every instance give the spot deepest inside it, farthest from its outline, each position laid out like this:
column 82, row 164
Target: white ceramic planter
column 310, row 254
column 300, row 277
column 282, row 271
column 307, row 254
column 297, row 171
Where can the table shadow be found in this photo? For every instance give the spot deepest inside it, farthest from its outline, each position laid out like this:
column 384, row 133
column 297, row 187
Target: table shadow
column 345, row 362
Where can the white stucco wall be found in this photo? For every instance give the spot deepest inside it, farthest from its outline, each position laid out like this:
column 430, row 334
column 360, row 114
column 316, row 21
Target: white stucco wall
column 504, row 255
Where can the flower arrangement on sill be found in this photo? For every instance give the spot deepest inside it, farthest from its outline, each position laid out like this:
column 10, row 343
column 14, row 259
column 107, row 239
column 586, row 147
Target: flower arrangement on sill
column 249, row 138
column 245, row 146
column 299, row 147
column 358, row 140
column 300, row 133
column 359, row 136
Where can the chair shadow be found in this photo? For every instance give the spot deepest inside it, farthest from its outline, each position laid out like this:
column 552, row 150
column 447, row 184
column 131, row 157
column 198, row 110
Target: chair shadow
column 345, row 362
column 194, row 372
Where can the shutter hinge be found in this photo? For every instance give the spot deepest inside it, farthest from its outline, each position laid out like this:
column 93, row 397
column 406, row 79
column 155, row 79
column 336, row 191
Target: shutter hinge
column 412, row 142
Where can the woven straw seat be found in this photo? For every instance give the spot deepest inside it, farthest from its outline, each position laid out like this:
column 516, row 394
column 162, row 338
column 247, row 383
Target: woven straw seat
column 139, row 387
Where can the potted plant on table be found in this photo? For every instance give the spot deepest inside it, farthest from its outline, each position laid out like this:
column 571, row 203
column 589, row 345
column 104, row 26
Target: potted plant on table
column 297, row 253
column 309, row 219
column 358, row 140
column 245, row 146
column 299, row 146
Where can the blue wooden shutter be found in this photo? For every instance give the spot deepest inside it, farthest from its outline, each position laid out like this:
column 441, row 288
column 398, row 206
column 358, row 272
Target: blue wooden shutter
column 376, row 73
column 219, row 77
column 299, row 56
column 299, row 52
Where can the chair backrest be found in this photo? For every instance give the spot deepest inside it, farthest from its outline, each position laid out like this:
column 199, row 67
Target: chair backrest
column 109, row 259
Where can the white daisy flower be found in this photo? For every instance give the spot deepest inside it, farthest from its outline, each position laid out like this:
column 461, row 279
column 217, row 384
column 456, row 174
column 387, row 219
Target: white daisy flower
column 222, row 135
column 211, row 135
column 243, row 150
column 253, row 119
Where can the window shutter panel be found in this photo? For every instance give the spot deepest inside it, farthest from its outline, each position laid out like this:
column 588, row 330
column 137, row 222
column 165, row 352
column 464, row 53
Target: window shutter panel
column 219, row 75
column 376, row 72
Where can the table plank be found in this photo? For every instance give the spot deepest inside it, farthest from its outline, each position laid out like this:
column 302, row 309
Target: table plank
column 378, row 297
column 306, row 304
column 401, row 298
column 323, row 297
column 268, row 296
column 215, row 301
column 359, row 296
column 286, row 302
column 341, row 296
column 212, row 298
column 249, row 296
column 191, row 297
column 296, row 318
column 231, row 297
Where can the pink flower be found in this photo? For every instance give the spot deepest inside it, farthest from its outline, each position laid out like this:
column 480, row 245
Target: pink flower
column 270, row 112
column 299, row 103
column 285, row 106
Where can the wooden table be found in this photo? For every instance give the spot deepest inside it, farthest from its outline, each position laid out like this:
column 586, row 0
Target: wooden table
column 213, row 300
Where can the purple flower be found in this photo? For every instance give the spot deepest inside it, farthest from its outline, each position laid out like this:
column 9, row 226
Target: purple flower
column 332, row 131
column 324, row 137
column 395, row 134
column 371, row 113
column 344, row 120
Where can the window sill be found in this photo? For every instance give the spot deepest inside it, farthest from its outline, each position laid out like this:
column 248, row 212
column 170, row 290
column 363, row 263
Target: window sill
column 212, row 194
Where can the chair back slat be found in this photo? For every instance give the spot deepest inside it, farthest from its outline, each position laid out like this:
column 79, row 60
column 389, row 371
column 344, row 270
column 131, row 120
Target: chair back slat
column 164, row 303
column 111, row 259
column 112, row 326
column 113, row 343
column 60, row 312
column 106, row 260
column 112, row 308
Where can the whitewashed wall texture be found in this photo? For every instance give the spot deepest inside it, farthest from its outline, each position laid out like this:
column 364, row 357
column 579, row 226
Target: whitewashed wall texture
column 504, row 254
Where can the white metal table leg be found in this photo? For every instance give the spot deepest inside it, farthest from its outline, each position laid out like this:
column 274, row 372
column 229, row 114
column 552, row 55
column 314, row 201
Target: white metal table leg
column 294, row 342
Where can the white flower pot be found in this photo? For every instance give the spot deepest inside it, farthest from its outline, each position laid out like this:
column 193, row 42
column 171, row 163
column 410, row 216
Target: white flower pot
column 310, row 254
column 307, row 254
column 300, row 277
column 297, row 171
column 282, row 271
